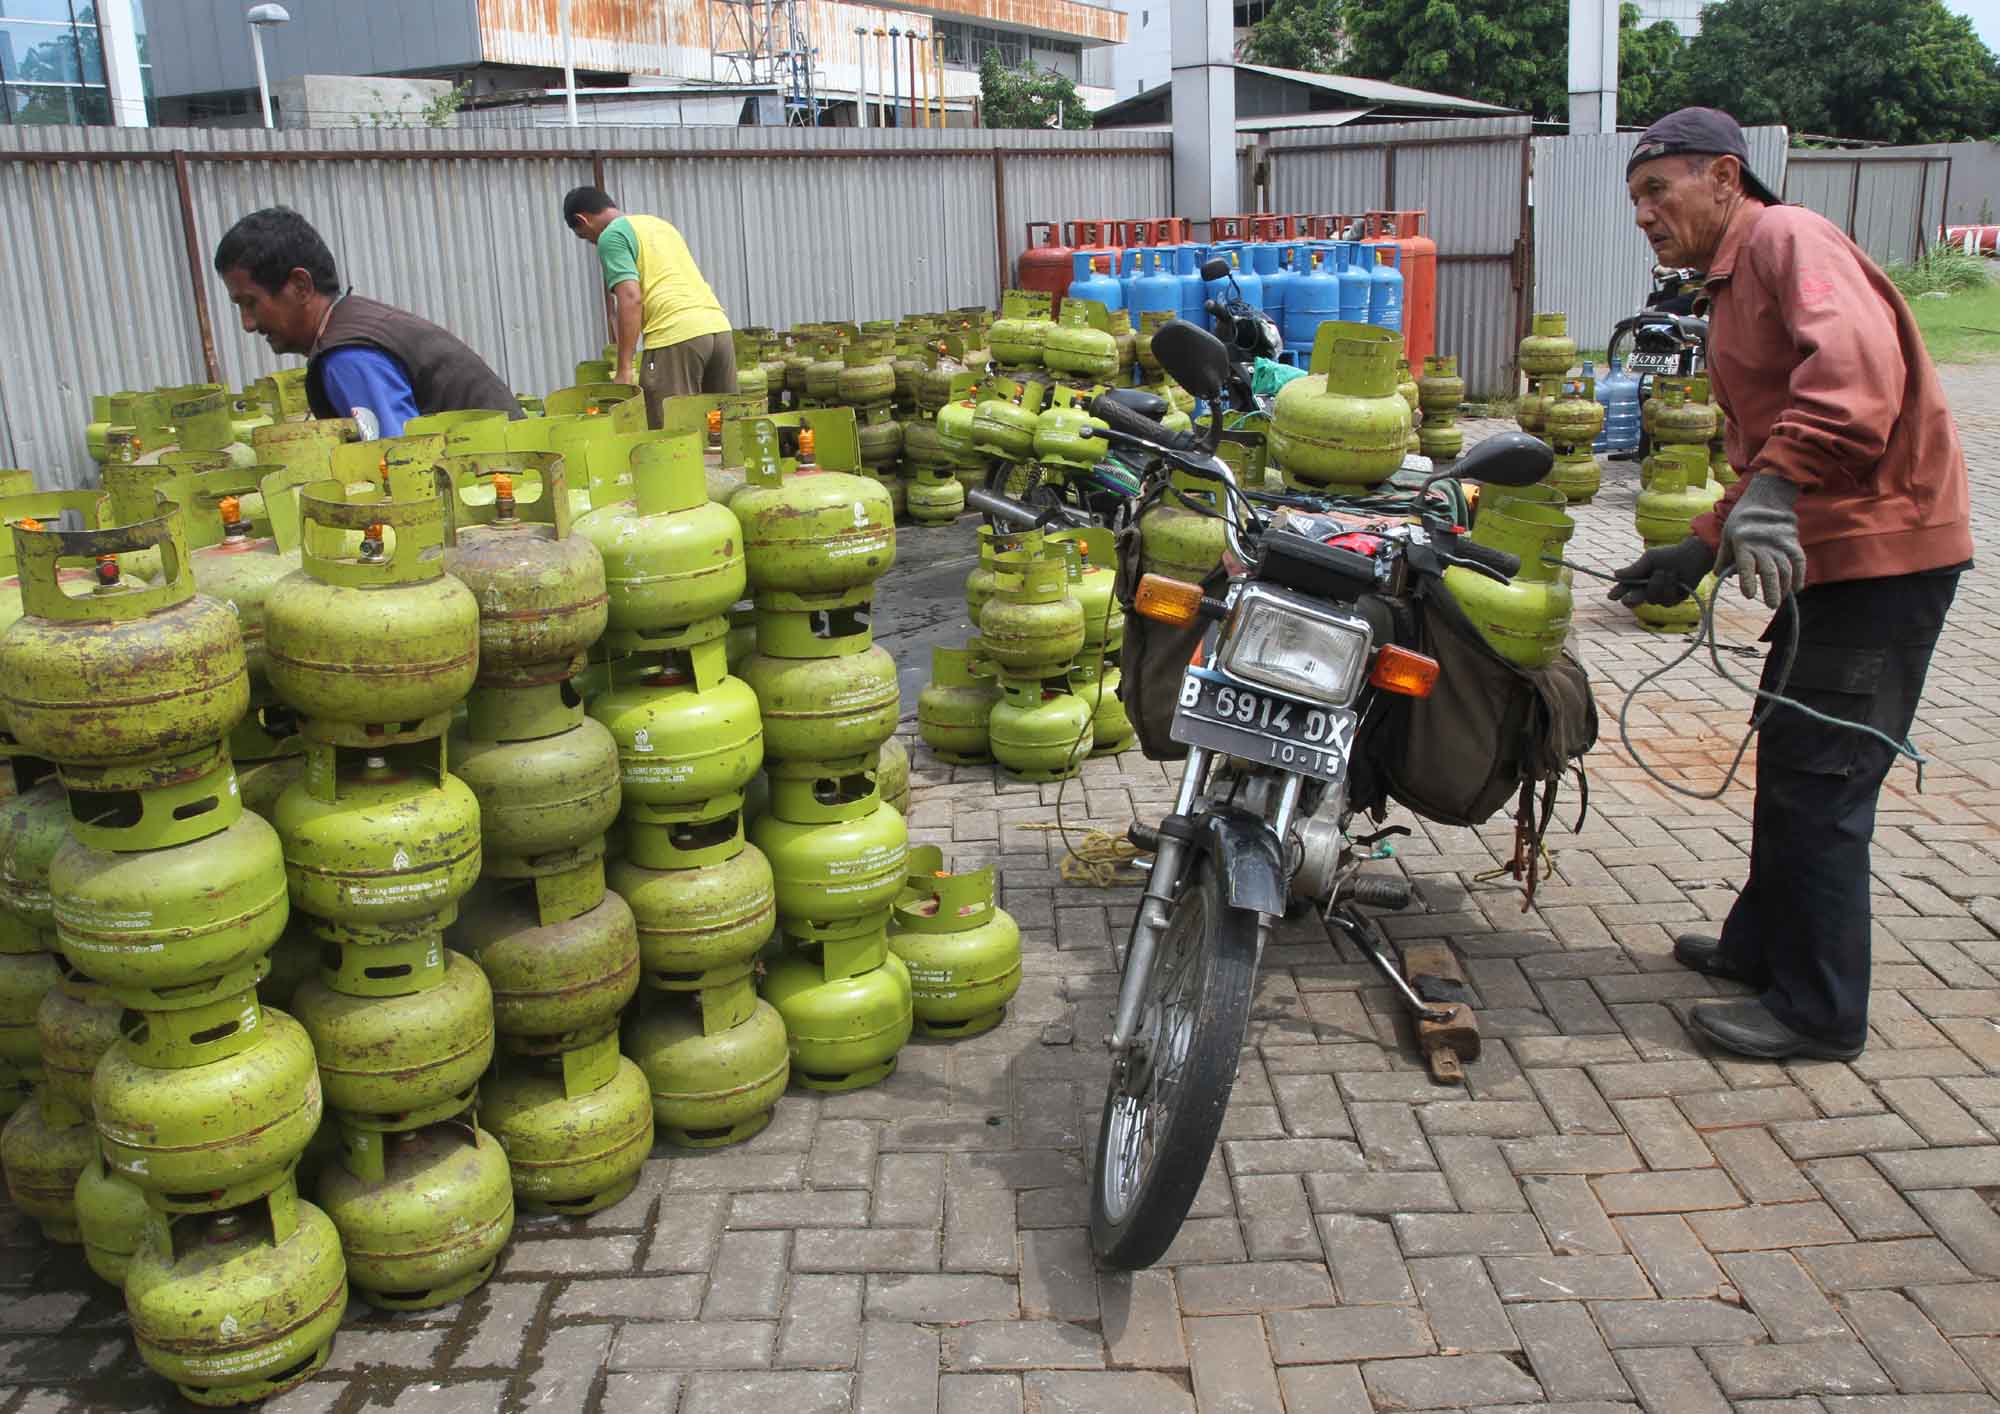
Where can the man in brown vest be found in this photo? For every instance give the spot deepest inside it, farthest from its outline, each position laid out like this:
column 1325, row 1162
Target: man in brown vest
column 362, row 356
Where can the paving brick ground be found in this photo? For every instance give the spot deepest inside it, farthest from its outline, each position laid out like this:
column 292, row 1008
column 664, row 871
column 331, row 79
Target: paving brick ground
column 1606, row 1214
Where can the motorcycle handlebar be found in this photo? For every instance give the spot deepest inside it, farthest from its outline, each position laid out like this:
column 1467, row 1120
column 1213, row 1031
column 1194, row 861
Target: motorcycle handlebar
column 1499, row 561
column 1120, row 418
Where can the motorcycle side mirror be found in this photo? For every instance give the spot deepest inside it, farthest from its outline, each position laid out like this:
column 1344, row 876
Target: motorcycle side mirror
column 1215, row 269
column 1507, row 459
column 1197, row 359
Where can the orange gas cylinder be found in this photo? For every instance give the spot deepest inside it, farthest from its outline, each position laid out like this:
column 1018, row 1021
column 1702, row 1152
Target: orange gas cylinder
column 1410, row 230
column 1045, row 263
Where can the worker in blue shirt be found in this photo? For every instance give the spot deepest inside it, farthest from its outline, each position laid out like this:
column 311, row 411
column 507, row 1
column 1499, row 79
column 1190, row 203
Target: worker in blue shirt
column 364, row 359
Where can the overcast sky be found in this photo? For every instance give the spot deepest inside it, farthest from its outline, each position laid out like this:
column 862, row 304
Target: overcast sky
column 1985, row 16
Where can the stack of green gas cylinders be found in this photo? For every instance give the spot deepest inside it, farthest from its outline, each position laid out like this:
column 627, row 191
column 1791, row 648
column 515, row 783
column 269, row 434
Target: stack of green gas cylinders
column 560, row 952
column 817, row 537
column 166, row 892
column 1036, row 688
column 711, row 1058
column 867, row 384
column 374, row 647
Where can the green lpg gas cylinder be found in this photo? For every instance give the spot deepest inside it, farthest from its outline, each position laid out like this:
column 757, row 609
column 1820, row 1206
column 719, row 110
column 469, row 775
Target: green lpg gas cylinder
column 1033, row 626
column 1685, row 415
column 25, row 978
column 199, row 1138
column 935, row 497
column 127, row 672
column 686, row 730
column 1019, row 335
column 1181, row 536
column 192, row 892
column 814, row 532
column 422, row 1215
column 823, row 688
column 1719, row 469
column 1547, row 350
column 556, row 984
column 955, row 421
column 1110, row 728
column 1039, row 731
column 716, row 1061
column 33, row 824
column 380, row 636
column 878, row 438
column 892, row 775
column 577, row 1127
column 544, row 796
column 1080, row 342
column 395, row 1061
column 671, row 555
column 1091, row 560
column 110, row 1217
column 704, row 900
column 593, row 399
column 847, row 1007
column 467, row 432
column 240, row 566
column 1348, row 426
column 77, row 1022
column 1525, row 620
column 837, row 853
column 962, row 951
column 866, row 376
column 235, row 1307
column 823, row 370
column 292, row 959
column 1532, row 411
column 1406, row 388
column 1003, row 422
column 1439, row 393
column 1067, row 435
column 378, row 839
column 541, row 590
column 924, row 449
column 953, row 708
column 1679, row 491
column 43, row 1154
column 1575, row 417
column 87, row 507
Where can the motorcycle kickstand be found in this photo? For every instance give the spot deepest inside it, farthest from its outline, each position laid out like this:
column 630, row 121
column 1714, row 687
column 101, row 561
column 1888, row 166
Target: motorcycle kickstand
column 1448, row 1033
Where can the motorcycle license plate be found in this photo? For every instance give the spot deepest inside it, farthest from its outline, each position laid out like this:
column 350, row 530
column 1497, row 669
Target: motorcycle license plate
column 1653, row 363
column 1223, row 715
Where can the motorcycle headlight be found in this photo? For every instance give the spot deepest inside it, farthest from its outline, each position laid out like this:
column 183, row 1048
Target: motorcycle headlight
column 1294, row 647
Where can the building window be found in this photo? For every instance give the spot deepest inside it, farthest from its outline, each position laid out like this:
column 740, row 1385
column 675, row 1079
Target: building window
column 52, row 61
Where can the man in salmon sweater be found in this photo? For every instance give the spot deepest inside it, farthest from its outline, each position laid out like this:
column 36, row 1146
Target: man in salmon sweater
column 1851, row 519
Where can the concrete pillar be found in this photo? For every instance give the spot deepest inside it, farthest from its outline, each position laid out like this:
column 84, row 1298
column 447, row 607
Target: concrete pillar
column 1205, row 178
column 121, row 63
column 1593, row 66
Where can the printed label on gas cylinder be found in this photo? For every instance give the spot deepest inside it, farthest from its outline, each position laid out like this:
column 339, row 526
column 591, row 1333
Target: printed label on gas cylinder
column 73, row 913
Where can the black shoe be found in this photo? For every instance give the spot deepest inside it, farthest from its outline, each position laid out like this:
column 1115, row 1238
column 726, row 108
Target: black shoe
column 1748, row 1029
column 1700, row 953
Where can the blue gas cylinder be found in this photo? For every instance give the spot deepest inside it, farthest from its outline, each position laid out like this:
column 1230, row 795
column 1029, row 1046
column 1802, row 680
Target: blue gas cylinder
column 1355, row 283
column 1152, row 286
column 1129, row 262
column 1385, row 290
column 1091, row 283
column 1619, row 392
column 1312, row 299
column 1193, row 291
column 1268, row 259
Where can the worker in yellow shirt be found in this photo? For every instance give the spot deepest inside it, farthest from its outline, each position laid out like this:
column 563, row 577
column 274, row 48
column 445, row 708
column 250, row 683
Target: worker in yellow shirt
column 652, row 287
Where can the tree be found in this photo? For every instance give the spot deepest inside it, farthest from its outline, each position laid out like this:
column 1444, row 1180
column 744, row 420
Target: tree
column 1648, row 67
column 1298, row 34
column 1025, row 96
column 1885, row 70
column 1510, row 52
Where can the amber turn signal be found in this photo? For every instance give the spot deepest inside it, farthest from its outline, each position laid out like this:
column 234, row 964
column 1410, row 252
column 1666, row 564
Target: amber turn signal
column 1404, row 672
column 1168, row 601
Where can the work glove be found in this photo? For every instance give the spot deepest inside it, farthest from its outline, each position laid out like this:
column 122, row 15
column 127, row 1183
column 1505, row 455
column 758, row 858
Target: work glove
column 1664, row 576
column 1760, row 540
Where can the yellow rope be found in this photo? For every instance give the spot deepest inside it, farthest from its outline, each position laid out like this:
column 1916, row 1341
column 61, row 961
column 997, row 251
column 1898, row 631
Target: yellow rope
column 1098, row 861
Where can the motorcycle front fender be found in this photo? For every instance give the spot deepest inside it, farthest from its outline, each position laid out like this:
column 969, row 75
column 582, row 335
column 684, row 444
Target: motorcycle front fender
column 1248, row 861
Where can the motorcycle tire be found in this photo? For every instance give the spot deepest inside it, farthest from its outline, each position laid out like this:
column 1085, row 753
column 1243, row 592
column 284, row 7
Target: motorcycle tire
column 1204, row 974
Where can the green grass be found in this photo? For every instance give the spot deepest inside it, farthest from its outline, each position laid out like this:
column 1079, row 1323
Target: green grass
column 1941, row 268
column 1963, row 327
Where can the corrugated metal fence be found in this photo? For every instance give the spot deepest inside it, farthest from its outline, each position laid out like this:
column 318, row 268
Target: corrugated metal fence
column 1590, row 260
column 1890, row 202
column 1472, row 176
column 111, row 229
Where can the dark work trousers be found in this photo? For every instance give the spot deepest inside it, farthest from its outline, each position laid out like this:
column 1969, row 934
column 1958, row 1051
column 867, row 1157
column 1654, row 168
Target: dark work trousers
column 1801, row 928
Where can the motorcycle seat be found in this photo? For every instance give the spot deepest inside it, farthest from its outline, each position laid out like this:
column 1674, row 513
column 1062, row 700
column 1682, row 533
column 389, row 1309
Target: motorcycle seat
column 1140, row 401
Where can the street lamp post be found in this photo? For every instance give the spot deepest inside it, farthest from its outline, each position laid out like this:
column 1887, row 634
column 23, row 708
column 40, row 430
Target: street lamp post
column 261, row 16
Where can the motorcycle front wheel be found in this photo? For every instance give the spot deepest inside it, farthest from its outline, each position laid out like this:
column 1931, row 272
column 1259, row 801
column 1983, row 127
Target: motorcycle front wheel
column 1164, row 1106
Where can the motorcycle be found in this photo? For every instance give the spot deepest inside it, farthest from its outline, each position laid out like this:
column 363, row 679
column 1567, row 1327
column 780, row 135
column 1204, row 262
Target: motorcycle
column 1274, row 708
column 1665, row 337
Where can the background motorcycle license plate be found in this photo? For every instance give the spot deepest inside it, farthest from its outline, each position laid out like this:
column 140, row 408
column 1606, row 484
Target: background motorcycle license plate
column 1263, row 727
column 1653, row 363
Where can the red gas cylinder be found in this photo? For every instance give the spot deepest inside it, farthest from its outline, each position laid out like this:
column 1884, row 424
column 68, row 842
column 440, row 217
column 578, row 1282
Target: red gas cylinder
column 1327, row 226
column 1229, row 228
column 1101, row 239
column 1045, row 263
column 1410, row 230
